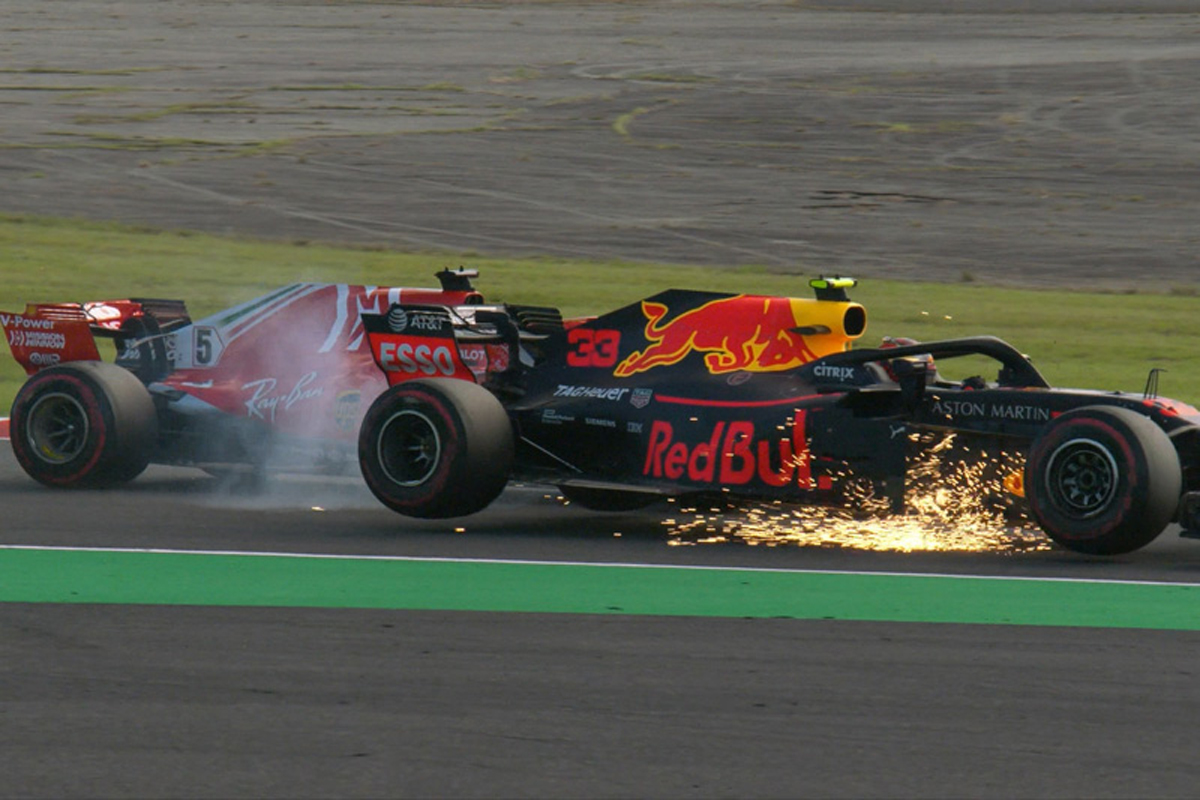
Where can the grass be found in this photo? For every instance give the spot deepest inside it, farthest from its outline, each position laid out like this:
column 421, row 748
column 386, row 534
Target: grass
column 1078, row 339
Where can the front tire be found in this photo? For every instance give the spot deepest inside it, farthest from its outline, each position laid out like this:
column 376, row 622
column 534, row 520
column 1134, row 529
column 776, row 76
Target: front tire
column 85, row 424
column 1103, row 480
column 436, row 448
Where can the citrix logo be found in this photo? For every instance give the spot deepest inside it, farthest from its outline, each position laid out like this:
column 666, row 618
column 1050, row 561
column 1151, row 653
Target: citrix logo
column 829, row 371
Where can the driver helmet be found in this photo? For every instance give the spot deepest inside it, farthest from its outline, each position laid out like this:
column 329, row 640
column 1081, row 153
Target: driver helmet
column 903, row 341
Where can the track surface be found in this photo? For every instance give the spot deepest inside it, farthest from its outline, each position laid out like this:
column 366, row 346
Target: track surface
column 1018, row 146
column 152, row 700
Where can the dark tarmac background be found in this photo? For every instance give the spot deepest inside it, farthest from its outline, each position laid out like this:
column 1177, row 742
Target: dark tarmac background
column 1036, row 142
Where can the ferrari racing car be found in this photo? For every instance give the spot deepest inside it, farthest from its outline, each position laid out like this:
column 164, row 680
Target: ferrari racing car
column 443, row 398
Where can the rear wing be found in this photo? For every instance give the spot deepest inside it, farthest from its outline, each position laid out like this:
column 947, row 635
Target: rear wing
column 472, row 342
column 46, row 335
column 415, row 341
column 54, row 333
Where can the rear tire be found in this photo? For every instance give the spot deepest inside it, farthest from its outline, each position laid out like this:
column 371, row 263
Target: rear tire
column 85, row 424
column 1103, row 480
column 436, row 448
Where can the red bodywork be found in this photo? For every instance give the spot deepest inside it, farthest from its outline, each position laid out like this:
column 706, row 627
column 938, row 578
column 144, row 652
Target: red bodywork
column 46, row 335
column 297, row 360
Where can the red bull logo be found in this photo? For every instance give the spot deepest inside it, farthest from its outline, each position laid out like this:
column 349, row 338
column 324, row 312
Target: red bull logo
column 731, row 455
column 742, row 333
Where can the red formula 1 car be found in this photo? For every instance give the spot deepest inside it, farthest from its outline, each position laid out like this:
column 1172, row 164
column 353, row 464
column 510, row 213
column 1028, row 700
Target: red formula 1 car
column 444, row 398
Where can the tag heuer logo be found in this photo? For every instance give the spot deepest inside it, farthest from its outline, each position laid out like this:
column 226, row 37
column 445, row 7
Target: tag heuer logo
column 641, row 397
column 397, row 320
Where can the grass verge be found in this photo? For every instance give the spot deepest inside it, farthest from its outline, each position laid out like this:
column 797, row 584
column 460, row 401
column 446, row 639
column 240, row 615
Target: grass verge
column 1077, row 339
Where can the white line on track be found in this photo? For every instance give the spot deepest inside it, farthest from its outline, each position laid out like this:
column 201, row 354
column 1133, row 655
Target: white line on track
column 605, row 564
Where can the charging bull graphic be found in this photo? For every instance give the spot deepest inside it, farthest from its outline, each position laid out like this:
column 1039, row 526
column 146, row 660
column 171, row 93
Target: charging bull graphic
column 741, row 333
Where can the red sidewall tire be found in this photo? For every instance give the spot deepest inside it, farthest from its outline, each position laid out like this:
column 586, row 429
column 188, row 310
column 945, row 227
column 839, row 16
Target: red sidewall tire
column 1103, row 480
column 436, row 448
column 112, row 406
column 39, row 390
column 380, row 420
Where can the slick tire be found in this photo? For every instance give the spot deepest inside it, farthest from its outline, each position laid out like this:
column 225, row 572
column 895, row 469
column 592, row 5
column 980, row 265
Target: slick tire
column 1103, row 480
column 86, row 424
column 607, row 499
column 436, row 448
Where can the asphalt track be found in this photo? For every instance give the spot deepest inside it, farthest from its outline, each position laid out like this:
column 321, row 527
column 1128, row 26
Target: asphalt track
column 1046, row 142
column 725, row 670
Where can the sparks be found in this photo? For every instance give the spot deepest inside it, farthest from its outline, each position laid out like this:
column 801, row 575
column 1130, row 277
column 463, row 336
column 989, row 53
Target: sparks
column 953, row 504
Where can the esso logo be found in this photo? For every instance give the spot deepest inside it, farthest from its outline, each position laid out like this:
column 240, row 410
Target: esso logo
column 422, row 359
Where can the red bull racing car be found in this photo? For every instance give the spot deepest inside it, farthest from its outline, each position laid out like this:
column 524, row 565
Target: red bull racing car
column 443, row 398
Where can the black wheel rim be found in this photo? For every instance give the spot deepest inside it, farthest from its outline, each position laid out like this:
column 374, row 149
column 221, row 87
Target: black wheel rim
column 57, row 428
column 1081, row 477
column 409, row 448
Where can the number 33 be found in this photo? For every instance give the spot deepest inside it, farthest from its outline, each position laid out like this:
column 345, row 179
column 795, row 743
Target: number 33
column 589, row 347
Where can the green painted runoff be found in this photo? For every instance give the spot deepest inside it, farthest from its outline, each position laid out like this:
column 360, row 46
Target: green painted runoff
column 180, row 578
